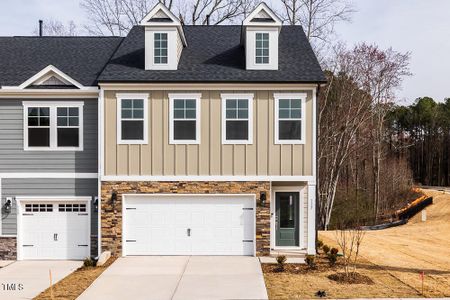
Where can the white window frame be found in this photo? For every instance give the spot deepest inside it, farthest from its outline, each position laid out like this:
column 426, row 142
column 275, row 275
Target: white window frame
column 248, row 97
column 132, row 96
column 53, row 107
column 300, row 96
column 154, row 49
column 268, row 49
column 176, row 96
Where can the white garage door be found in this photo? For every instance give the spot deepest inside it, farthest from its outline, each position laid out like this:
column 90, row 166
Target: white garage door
column 54, row 230
column 189, row 225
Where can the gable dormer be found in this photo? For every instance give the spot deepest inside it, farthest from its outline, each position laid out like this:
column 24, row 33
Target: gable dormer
column 260, row 37
column 164, row 39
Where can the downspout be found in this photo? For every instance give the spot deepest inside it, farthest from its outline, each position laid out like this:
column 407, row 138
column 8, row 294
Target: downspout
column 317, row 165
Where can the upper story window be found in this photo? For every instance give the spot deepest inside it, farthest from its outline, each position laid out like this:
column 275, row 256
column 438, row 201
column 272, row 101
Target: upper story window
column 53, row 126
column 184, row 119
column 160, row 48
column 132, row 119
column 237, row 118
column 262, row 48
column 290, row 118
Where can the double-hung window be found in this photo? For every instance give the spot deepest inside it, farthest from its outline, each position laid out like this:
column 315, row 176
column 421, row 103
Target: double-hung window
column 53, row 126
column 160, row 48
column 237, row 118
column 132, row 124
column 290, row 118
column 184, row 118
column 262, row 48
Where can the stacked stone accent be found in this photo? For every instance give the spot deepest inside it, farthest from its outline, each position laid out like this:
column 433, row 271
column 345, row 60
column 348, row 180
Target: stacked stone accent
column 8, row 248
column 111, row 215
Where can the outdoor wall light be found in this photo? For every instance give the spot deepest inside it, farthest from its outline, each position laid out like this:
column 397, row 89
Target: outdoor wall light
column 113, row 197
column 262, row 198
column 7, row 206
column 95, row 203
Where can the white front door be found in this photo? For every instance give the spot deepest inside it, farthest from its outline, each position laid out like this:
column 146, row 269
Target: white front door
column 189, row 225
column 54, row 230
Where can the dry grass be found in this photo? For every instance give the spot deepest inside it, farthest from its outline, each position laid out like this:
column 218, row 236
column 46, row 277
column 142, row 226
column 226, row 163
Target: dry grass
column 76, row 283
column 405, row 251
column 298, row 282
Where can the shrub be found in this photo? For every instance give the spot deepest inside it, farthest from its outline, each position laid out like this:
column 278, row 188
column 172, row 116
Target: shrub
column 311, row 261
column 319, row 244
column 88, row 262
column 332, row 258
column 326, row 249
column 334, row 251
column 281, row 260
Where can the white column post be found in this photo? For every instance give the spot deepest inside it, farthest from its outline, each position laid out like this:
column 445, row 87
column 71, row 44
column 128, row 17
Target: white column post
column 311, row 246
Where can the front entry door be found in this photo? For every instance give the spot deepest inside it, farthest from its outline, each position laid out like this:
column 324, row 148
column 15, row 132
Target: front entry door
column 287, row 219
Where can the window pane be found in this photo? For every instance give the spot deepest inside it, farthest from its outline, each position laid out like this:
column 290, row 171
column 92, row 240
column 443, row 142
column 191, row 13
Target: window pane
column 44, row 111
column 73, row 111
column 157, row 60
column 289, row 130
column 126, row 103
column 68, row 137
column 231, row 103
column 243, row 104
column 33, row 121
column 132, row 130
column 190, row 114
column 164, row 60
column 259, row 60
column 243, row 114
column 190, row 104
column 126, row 113
column 138, row 103
column 62, row 121
column 44, row 121
column 231, row 114
column 178, row 103
column 73, row 121
column 283, row 114
column 283, row 103
column 138, row 114
column 32, row 111
column 184, row 130
column 265, row 60
column 237, row 130
column 62, row 111
column 296, row 113
column 296, row 103
column 39, row 137
column 178, row 114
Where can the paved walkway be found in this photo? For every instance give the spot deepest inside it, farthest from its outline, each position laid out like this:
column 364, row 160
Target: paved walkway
column 180, row 277
column 27, row 279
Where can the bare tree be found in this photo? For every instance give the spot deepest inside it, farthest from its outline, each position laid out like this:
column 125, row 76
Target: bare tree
column 53, row 27
column 360, row 82
column 117, row 17
column 350, row 240
column 317, row 17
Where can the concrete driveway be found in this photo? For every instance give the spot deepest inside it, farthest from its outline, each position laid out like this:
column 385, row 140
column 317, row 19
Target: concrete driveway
column 27, row 279
column 180, row 277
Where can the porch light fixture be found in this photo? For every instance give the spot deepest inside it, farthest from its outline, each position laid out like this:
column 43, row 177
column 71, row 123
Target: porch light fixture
column 7, row 206
column 262, row 198
column 95, row 203
column 113, row 198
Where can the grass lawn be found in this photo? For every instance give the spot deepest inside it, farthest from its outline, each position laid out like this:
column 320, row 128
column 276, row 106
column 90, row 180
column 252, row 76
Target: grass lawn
column 75, row 284
column 298, row 282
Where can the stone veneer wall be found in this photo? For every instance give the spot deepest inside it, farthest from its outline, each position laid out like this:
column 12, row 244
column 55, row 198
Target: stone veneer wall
column 111, row 216
column 8, row 248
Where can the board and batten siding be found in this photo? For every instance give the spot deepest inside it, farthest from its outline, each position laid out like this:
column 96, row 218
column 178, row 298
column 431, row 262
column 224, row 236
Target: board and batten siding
column 45, row 187
column 14, row 159
column 210, row 157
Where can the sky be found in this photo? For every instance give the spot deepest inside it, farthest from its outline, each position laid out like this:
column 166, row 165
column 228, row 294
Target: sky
column 421, row 27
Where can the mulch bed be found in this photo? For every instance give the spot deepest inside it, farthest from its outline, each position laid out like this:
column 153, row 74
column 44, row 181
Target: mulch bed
column 74, row 284
column 322, row 264
column 352, row 278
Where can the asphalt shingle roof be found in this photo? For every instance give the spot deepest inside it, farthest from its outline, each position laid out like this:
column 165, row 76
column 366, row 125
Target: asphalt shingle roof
column 82, row 58
column 215, row 54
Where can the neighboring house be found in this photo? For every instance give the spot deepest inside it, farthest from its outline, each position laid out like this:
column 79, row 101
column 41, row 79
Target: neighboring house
column 206, row 136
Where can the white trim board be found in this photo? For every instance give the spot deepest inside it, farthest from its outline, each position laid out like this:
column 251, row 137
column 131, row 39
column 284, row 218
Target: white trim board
column 49, row 175
column 206, row 178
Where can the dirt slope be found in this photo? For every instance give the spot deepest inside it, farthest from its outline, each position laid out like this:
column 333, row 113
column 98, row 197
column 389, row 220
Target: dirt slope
column 418, row 246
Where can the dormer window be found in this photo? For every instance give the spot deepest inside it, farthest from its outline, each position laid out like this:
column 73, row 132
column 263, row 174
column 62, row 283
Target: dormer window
column 260, row 38
column 262, row 48
column 160, row 48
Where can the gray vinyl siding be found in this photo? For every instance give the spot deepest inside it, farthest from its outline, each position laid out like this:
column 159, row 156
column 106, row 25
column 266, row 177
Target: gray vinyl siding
column 14, row 159
column 45, row 187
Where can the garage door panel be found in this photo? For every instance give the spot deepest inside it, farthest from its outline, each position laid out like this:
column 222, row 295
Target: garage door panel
column 218, row 225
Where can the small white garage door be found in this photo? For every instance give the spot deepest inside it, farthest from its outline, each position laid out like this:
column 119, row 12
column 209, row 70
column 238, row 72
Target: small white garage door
column 54, row 230
column 188, row 225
